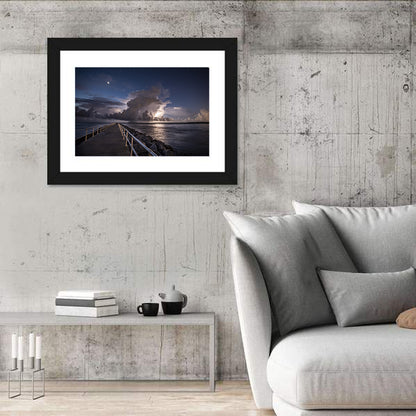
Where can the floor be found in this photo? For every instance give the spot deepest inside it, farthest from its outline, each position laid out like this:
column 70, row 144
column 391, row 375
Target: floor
column 232, row 398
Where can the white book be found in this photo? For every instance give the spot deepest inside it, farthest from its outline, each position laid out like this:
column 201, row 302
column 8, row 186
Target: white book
column 87, row 312
column 86, row 294
column 84, row 302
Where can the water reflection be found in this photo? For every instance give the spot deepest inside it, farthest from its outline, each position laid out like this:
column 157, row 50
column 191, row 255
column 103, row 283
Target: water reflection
column 187, row 139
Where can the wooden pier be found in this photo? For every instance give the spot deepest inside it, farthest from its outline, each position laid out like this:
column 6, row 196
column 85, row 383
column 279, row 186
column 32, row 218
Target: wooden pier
column 112, row 140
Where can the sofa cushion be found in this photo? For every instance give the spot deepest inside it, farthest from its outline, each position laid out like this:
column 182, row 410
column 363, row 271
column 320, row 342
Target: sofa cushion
column 288, row 250
column 285, row 409
column 369, row 298
column 377, row 239
column 358, row 367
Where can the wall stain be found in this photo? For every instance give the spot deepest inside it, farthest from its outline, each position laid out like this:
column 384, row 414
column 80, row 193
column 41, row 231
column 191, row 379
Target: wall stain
column 412, row 156
column 386, row 160
column 100, row 211
column 374, row 130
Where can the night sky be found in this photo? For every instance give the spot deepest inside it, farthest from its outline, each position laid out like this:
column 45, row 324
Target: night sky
column 150, row 94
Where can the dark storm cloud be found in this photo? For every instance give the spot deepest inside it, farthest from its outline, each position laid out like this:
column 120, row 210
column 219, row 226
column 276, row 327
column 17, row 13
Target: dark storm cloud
column 144, row 104
column 99, row 107
column 150, row 104
column 98, row 102
column 141, row 105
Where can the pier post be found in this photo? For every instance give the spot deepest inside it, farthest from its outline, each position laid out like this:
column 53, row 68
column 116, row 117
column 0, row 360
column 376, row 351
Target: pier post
column 124, row 137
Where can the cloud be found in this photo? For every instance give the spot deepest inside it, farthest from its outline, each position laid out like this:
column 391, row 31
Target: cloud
column 80, row 112
column 94, row 100
column 177, row 113
column 203, row 115
column 96, row 107
column 150, row 104
column 184, row 114
column 145, row 104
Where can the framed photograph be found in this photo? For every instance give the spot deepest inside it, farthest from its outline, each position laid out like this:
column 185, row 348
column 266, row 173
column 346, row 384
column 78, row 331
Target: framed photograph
column 142, row 111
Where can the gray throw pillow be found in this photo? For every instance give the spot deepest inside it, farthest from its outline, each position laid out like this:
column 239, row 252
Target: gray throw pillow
column 369, row 298
column 378, row 239
column 288, row 250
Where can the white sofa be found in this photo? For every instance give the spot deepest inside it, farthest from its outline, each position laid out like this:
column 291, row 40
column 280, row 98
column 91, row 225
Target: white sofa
column 331, row 370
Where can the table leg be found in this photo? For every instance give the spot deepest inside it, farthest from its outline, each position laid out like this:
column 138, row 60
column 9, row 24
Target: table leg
column 212, row 357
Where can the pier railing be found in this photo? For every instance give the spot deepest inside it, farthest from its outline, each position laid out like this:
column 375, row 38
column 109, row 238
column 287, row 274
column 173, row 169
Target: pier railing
column 130, row 139
column 96, row 130
column 91, row 132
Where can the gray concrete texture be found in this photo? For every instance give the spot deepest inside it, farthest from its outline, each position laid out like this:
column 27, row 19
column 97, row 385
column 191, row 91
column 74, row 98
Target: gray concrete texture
column 326, row 115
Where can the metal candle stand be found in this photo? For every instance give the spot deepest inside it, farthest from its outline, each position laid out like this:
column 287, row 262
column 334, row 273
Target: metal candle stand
column 19, row 368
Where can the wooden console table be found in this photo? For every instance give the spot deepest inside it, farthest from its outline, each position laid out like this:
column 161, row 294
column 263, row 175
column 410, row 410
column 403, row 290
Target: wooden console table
column 185, row 319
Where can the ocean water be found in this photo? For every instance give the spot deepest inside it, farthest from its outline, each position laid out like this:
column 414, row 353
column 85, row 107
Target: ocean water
column 186, row 138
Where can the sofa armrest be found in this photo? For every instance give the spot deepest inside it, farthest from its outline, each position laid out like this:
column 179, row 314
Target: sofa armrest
column 255, row 319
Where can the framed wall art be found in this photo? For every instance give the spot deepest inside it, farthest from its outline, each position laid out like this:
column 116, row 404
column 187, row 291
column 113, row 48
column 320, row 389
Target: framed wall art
column 142, row 111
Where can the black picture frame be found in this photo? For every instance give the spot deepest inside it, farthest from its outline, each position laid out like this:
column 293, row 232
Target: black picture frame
column 57, row 177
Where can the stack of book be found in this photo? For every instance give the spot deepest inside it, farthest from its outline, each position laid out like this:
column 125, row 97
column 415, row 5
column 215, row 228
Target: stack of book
column 90, row 303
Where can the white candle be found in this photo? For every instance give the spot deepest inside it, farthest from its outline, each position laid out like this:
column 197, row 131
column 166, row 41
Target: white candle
column 31, row 344
column 38, row 347
column 14, row 346
column 20, row 348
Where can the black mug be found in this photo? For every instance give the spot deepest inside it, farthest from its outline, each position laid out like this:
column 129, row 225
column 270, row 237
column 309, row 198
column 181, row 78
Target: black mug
column 148, row 309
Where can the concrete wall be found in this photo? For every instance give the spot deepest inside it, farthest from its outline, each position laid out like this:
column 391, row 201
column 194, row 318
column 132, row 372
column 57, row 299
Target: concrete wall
column 326, row 114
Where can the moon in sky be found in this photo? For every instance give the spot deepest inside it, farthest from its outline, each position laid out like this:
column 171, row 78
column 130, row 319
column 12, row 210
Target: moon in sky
column 108, row 82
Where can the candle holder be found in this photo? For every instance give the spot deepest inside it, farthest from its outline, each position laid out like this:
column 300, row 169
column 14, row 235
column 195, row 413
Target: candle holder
column 10, row 373
column 21, row 373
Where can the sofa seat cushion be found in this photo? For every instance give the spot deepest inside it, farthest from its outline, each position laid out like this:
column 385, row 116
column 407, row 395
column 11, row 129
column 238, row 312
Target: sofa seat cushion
column 329, row 367
column 285, row 409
